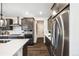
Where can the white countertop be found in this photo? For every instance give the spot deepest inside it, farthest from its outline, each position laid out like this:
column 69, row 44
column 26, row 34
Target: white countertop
column 49, row 37
column 10, row 48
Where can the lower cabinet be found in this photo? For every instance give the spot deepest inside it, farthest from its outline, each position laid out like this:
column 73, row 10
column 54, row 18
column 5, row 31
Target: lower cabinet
column 29, row 43
column 49, row 46
column 29, row 36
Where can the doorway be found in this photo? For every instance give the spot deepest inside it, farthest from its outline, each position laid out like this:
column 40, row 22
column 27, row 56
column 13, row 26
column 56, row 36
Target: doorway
column 40, row 30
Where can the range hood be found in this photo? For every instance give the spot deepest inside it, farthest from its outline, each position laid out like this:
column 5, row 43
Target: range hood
column 16, row 24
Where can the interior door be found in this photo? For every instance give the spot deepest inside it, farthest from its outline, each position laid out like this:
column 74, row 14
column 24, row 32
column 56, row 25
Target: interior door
column 40, row 28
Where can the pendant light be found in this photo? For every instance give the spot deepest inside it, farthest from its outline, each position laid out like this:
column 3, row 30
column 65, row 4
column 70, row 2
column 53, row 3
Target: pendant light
column 3, row 22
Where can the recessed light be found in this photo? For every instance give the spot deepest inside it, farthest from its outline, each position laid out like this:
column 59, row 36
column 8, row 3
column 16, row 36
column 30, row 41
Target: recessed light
column 41, row 12
column 54, row 12
column 27, row 13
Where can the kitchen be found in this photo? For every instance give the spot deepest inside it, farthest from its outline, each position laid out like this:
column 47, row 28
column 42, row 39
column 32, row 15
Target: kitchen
column 26, row 28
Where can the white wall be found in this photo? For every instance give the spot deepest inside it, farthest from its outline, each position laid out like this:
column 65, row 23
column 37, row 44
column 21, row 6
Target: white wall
column 46, row 26
column 74, row 29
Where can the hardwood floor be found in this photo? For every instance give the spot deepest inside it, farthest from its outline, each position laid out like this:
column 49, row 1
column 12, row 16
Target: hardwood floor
column 38, row 49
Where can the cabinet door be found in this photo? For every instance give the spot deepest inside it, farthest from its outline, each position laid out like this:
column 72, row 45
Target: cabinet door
column 40, row 28
column 9, row 22
column 27, row 23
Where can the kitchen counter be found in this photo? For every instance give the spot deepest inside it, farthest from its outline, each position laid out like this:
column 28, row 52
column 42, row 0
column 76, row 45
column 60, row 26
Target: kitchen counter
column 17, row 36
column 48, row 36
column 12, row 36
column 11, row 48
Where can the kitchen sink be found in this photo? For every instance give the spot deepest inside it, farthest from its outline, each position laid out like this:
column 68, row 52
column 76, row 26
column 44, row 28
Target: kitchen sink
column 4, row 41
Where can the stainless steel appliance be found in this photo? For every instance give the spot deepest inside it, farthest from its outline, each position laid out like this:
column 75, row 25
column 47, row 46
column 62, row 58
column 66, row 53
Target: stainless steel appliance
column 60, row 33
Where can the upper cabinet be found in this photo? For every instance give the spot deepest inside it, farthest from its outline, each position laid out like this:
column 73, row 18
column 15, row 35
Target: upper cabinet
column 9, row 22
column 57, row 7
column 27, row 23
column 7, row 27
column 56, row 10
column 16, row 22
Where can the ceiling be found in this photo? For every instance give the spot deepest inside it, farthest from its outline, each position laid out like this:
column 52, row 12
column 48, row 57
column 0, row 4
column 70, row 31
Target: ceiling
column 27, row 9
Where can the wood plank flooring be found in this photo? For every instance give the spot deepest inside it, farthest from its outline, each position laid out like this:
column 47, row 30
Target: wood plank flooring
column 38, row 49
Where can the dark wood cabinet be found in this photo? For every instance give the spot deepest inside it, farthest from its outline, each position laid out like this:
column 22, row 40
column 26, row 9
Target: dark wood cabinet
column 50, row 47
column 27, row 23
column 8, row 27
column 9, row 22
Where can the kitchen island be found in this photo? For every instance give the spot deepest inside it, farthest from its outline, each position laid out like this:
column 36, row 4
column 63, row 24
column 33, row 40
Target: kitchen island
column 12, row 47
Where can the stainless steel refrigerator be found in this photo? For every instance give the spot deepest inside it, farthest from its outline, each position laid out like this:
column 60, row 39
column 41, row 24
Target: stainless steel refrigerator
column 60, row 34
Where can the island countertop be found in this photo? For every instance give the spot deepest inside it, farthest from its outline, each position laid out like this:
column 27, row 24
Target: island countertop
column 10, row 48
